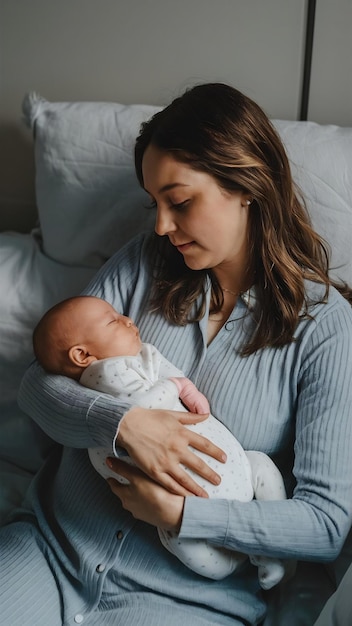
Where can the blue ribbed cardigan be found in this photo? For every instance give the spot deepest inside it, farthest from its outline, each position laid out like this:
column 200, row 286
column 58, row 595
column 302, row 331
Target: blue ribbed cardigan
column 293, row 403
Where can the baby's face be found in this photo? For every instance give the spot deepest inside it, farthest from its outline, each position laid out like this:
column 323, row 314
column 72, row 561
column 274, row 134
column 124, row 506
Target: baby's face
column 107, row 332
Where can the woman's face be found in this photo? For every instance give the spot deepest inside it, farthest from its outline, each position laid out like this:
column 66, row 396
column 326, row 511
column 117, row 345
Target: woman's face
column 206, row 224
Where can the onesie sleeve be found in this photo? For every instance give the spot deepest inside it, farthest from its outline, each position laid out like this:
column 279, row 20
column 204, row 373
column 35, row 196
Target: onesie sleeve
column 128, row 379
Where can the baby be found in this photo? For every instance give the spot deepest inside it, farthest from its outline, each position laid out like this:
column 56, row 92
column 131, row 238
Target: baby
column 85, row 338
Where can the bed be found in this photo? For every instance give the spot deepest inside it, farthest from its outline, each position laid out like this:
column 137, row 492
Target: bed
column 89, row 203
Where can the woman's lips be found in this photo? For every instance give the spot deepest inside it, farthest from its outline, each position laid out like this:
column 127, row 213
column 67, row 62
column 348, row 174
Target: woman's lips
column 183, row 247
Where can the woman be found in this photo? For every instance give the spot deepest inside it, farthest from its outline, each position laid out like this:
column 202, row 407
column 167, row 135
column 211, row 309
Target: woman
column 234, row 289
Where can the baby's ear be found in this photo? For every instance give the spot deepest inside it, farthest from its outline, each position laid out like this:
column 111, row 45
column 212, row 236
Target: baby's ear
column 80, row 356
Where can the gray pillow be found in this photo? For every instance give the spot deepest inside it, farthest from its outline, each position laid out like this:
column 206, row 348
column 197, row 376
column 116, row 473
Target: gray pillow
column 88, row 198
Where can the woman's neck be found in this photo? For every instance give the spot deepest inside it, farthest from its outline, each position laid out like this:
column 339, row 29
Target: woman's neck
column 216, row 320
column 234, row 283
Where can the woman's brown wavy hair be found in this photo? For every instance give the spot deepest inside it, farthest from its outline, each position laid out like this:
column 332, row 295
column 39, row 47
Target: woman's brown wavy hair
column 216, row 129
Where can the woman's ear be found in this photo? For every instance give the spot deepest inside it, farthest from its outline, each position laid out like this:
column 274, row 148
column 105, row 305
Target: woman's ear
column 246, row 200
column 80, row 356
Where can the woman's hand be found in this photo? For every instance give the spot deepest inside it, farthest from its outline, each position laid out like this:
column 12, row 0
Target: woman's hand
column 145, row 499
column 159, row 443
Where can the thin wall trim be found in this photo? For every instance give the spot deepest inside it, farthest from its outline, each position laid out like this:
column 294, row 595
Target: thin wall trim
column 310, row 22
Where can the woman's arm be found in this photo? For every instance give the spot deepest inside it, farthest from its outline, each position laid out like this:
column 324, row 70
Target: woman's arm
column 156, row 440
column 69, row 413
column 313, row 524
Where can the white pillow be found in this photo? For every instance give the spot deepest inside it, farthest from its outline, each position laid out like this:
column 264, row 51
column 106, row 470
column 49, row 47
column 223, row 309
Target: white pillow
column 321, row 161
column 30, row 284
column 88, row 197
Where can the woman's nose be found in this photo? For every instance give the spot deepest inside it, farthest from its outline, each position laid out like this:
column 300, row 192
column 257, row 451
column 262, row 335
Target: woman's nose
column 164, row 223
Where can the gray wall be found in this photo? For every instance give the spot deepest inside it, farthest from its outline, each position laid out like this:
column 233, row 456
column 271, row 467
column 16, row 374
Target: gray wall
column 331, row 80
column 149, row 51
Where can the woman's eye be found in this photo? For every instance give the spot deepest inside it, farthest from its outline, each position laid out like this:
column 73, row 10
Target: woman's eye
column 178, row 206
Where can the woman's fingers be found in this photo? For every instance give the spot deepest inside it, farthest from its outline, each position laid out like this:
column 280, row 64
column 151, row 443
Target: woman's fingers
column 183, row 485
column 199, row 442
column 145, row 499
column 202, row 444
column 128, row 471
column 122, row 468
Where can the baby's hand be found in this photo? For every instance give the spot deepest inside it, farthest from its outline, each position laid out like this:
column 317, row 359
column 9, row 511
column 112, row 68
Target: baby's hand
column 191, row 397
